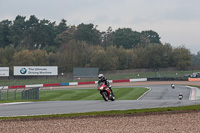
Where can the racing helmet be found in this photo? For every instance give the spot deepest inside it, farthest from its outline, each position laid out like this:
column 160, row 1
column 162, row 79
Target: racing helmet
column 100, row 76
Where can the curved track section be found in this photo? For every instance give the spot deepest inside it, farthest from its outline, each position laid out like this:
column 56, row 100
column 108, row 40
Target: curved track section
column 165, row 92
column 159, row 96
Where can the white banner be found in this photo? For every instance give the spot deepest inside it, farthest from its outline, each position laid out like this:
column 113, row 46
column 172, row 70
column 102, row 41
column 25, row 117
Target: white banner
column 35, row 70
column 4, row 71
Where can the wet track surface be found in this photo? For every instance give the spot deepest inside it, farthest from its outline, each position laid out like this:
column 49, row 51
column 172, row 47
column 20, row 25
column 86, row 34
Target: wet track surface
column 158, row 96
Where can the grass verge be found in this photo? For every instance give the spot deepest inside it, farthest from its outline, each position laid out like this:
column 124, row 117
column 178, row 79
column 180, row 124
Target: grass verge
column 106, row 113
column 90, row 94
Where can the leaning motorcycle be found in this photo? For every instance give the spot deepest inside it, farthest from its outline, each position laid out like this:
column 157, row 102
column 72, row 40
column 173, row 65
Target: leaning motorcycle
column 105, row 92
column 180, row 96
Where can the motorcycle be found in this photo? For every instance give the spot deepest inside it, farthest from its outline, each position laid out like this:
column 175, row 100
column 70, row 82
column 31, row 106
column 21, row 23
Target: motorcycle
column 105, row 92
column 180, row 96
column 172, row 85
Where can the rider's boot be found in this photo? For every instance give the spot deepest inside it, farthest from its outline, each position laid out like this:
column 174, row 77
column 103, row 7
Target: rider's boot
column 111, row 90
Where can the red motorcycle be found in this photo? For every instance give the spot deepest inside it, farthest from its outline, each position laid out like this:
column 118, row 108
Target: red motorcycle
column 105, row 92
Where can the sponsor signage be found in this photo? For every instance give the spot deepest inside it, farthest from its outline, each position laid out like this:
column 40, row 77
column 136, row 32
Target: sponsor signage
column 35, row 70
column 193, row 79
column 4, row 71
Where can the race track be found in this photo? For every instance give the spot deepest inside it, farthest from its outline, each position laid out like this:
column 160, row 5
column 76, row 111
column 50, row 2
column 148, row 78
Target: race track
column 158, row 96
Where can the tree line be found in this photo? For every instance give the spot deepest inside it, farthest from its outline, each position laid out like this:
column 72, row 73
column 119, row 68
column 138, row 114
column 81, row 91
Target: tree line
column 34, row 42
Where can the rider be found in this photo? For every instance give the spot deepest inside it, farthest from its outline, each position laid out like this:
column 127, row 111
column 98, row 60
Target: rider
column 180, row 96
column 172, row 85
column 103, row 79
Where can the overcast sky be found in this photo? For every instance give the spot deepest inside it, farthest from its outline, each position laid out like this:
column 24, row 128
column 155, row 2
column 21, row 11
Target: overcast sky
column 176, row 21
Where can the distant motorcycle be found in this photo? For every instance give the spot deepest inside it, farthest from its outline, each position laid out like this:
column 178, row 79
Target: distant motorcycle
column 105, row 92
column 180, row 96
column 172, row 85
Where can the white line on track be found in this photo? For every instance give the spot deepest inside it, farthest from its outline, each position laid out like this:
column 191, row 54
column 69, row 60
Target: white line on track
column 144, row 93
column 14, row 103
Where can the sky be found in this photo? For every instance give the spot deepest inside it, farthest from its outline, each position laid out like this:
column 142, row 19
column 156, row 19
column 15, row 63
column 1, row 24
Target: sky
column 176, row 21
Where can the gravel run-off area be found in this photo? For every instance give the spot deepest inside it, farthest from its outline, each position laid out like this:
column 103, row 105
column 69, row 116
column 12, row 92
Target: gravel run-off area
column 163, row 122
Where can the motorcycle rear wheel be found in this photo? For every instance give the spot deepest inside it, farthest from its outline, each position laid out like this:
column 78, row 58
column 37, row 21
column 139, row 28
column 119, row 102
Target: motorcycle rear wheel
column 105, row 95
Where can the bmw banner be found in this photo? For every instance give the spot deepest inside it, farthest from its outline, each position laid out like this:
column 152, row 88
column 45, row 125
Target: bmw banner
column 35, row 70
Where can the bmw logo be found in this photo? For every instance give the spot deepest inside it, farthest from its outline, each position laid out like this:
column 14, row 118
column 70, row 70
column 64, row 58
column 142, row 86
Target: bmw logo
column 23, row 70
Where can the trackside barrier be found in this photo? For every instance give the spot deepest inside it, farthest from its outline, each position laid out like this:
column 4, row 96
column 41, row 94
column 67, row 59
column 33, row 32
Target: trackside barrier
column 89, row 82
column 3, row 87
column 47, row 85
column 73, row 83
column 137, row 80
column 194, row 93
column 36, row 85
column 64, row 84
column 16, row 87
column 193, row 79
column 110, row 81
column 76, row 83
column 122, row 80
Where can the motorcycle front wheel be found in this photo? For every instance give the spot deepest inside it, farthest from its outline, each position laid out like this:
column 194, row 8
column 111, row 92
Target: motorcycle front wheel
column 113, row 98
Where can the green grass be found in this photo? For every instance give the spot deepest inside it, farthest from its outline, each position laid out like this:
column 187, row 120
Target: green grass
column 90, row 94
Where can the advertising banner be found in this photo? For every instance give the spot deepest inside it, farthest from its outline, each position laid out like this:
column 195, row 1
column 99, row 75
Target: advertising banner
column 193, row 79
column 4, row 71
column 35, row 70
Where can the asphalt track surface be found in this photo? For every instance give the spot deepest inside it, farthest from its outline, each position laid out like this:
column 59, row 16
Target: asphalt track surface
column 158, row 96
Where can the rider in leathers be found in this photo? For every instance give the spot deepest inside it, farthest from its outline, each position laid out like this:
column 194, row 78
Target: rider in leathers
column 103, row 79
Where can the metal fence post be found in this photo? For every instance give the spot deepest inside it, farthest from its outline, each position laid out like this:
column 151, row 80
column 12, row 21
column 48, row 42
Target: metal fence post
column 15, row 94
column 37, row 93
column 23, row 94
column 7, row 93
